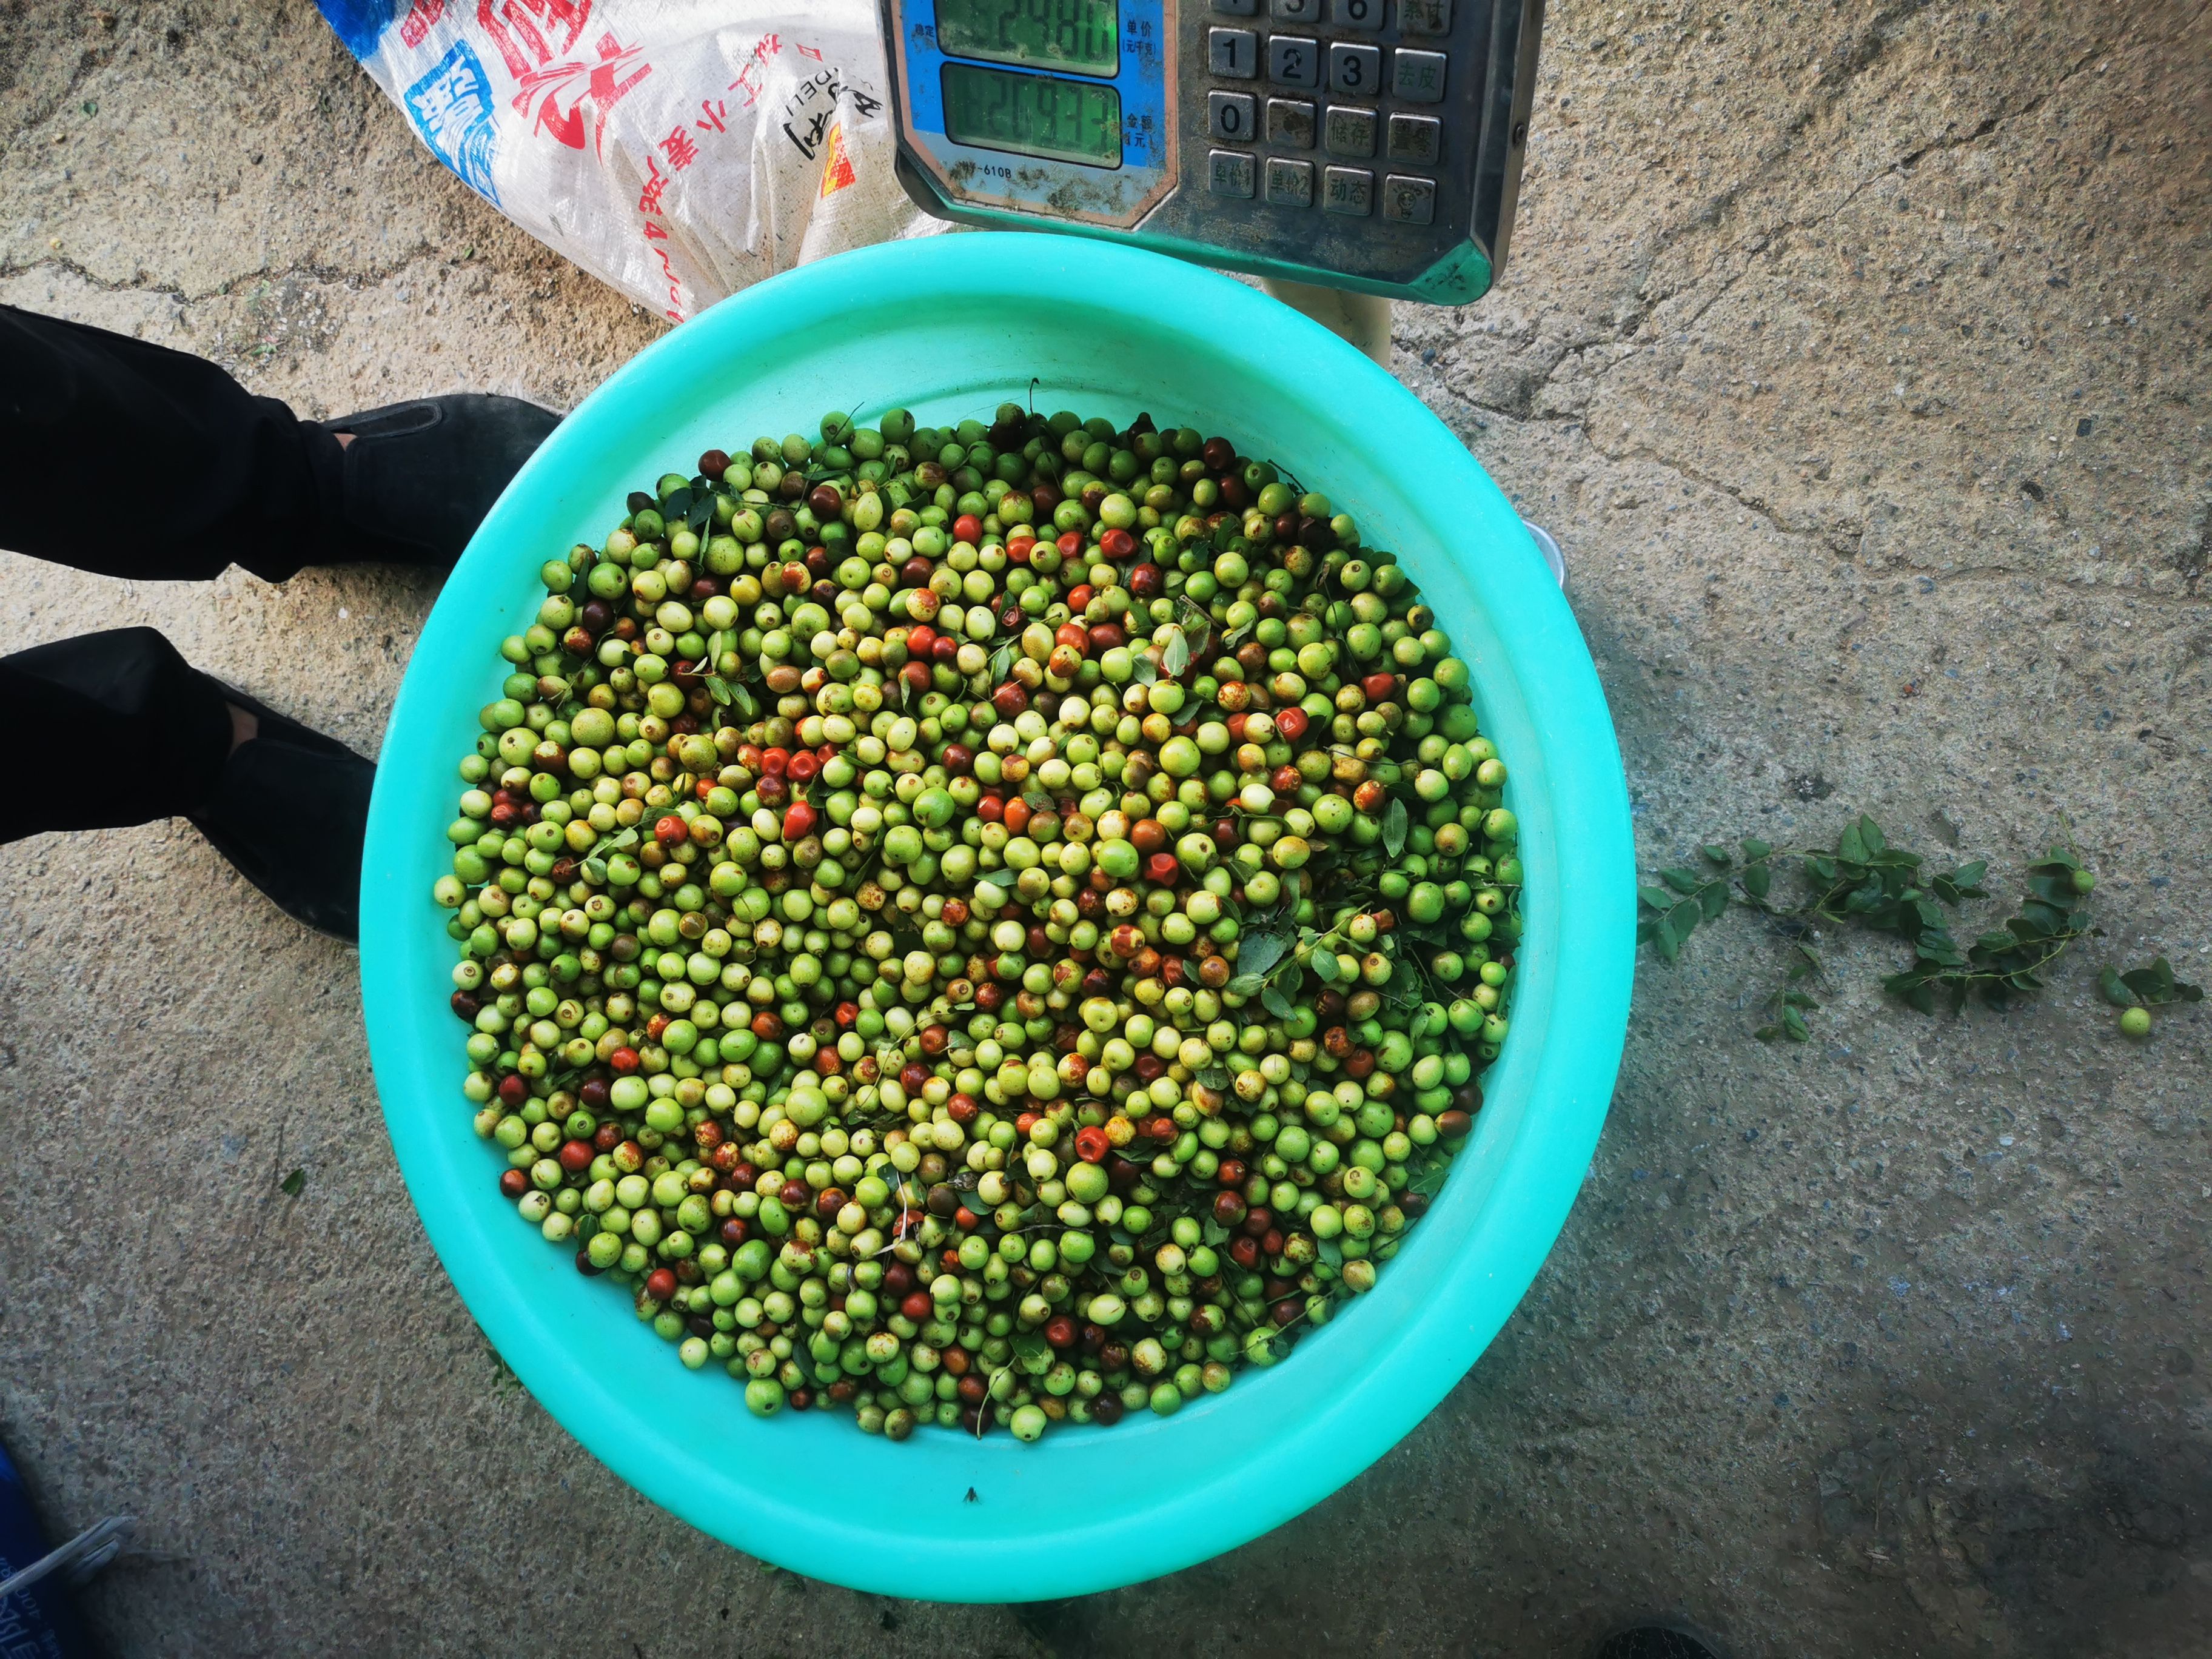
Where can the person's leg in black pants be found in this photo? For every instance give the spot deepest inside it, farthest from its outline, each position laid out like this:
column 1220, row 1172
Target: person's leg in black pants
column 284, row 804
column 152, row 733
column 236, row 479
column 240, row 480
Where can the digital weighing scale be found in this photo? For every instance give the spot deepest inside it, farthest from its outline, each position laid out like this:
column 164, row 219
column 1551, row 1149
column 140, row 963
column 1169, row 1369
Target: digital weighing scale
column 1373, row 145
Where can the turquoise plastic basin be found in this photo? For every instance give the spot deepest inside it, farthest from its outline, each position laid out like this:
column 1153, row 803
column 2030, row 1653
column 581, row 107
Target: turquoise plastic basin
column 951, row 327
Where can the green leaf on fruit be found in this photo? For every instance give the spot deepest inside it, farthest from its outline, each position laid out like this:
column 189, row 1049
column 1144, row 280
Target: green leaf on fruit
column 1259, row 951
column 1175, row 652
column 1033, row 1353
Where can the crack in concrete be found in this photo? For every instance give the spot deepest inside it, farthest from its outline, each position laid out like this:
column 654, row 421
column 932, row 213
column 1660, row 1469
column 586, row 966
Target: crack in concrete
column 1834, row 539
column 1764, row 240
column 1843, row 541
column 2100, row 589
column 1578, row 426
column 352, row 281
column 1871, row 44
column 97, row 285
column 1626, row 349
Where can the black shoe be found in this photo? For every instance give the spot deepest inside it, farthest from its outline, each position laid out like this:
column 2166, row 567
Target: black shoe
column 290, row 810
column 1657, row 1638
column 421, row 475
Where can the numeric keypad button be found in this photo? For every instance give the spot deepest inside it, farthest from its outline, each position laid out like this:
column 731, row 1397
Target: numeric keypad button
column 1292, row 61
column 1232, row 54
column 1356, row 70
column 1232, row 115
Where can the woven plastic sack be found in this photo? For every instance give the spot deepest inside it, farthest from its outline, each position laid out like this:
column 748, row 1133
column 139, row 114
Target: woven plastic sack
column 678, row 150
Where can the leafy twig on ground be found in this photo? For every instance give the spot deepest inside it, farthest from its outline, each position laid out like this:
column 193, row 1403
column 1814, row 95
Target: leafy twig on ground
column 2147, row 987
column 2139, row 990
column 1786, row 1007
column 1865, row 882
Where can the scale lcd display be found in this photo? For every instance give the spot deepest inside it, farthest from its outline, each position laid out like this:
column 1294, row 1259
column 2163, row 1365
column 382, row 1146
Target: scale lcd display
column 1070, row 34
column 1033, row 115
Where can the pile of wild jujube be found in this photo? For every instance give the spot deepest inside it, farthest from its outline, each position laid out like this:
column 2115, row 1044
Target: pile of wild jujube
column 994, row 925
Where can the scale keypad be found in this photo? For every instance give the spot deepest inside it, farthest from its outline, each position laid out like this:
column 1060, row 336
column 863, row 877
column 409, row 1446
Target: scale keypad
column 1329, row 47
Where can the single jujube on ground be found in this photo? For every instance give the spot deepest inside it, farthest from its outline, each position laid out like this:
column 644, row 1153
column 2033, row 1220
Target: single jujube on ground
column 991, row 925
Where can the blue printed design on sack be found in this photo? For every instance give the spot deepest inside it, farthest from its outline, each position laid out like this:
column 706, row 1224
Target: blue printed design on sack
column 359, row 22
column 452, row 109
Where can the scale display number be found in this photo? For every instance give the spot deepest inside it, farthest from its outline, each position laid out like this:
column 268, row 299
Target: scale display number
column 1080, row 35
column 1033, row 115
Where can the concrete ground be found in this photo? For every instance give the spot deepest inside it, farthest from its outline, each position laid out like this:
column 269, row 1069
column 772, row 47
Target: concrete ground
column 1858, row 356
